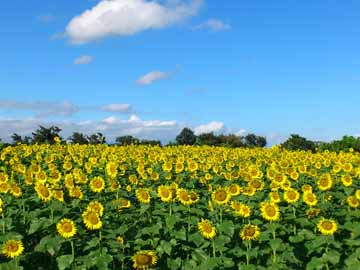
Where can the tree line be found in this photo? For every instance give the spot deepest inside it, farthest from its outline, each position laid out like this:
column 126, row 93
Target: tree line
column 187, row 137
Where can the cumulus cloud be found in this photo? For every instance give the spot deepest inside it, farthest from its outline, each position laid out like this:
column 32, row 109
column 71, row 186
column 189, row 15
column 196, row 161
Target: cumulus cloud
column 127, row 17
column 213, row 24
column 151, row 77
column 117, row 107
column 41, row 108
column 83, row 60
column 213, row 126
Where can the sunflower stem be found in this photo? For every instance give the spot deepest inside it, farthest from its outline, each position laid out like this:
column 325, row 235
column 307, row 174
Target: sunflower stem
column 72, row 248
column 213, row 247
column 100, row 246
column 247, row 253
column 3, row 224
column 220, row 215
column 170, row 209
column 188, row 228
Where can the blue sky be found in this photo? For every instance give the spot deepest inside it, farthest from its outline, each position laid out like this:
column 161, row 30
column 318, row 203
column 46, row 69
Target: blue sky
column 149, row 68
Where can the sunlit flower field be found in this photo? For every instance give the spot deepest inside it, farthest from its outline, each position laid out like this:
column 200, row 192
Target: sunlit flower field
column 182, row 207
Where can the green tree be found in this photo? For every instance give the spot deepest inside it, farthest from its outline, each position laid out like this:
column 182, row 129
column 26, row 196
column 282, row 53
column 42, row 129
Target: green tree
column 46, row 135
column 207, row 139
column 78, row 137
column 344, row 144
column 252, row 140
column 127, row 140
column 16, row 138
column 150, row 142
column 186, row 137
column 296, row 142
column 97, row 138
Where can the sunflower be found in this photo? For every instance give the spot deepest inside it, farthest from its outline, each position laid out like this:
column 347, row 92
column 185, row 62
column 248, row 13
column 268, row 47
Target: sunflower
column 4, row 187
column 143, row 195
column 313, row 212
column 111, row 169
column 97, row 184
column 220, row 196
column 234, row 189
column 325, row 182
column 43, row 192
column 183, row 196
column 120, row 240
column 269, row 211
column 274, row 196
column 96, row 207
column 291, row 195
column 66, row 228
column 310, row 198
column 12, row 248
column 327, row 226
column 357, row 194
column 306, row 188
column 91, row 220
column 58, row 195
column 194, row 197
column 143, row 259
column 206, row 228
column 250, row 232
column 164, row 192
column 352, row 202
column 15, row 190
column 347, row 180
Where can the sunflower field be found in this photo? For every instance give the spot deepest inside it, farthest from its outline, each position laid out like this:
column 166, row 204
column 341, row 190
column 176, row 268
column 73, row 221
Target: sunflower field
column 104, row 207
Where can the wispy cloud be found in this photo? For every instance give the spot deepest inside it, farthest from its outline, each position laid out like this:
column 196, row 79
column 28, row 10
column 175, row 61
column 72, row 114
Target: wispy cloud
column 152, row 76
column 117, row 107
column 127, row 17
column 213, row 24
column 83, row 60
column 41, row 108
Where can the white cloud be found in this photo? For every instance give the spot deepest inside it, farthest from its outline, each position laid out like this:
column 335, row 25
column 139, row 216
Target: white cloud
column 117, row 107
column 83, row 60
column 151, row 77
column 111, row 127
column 213, row 126
column 41, row 108
column 241, row 132
column 127, row 17
column 213, row 24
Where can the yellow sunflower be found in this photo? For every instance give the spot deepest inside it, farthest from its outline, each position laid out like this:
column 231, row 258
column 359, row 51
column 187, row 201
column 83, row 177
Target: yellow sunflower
column 352, row 201
column 325, row 182
column 310, row 198
column 291, row 196
column 144, row 259
column 43, row 192
column 66, row 228
column 250, row 232
column 120, row 240
column 92, row 220
column 12, row 248
column 347, row 180
column 15, row 190
column 97, row 184
column 183, row 196
column 206, row 228
column 274, row 196
column 269, row 211
column 234, row 189
column 220, row 196
column 312, row 212
column 96, row 207
column 164, row 192
column 327, row 226
column 143, row 195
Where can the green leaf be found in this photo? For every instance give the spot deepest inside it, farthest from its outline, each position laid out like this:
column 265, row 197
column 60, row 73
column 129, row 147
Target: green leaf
column 275, row 244
column 332, row 256
column 314, row 264
column 197, row 239
column 64, row 261
column 38, row 224
column 50, row 244
column 180, row 234
column 170, row 222
column 174, row 264
column 227, row 227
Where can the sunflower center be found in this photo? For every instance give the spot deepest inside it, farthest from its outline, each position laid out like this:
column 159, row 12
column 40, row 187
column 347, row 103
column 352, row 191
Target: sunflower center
column 143, row 259
column 67, row 227
column 220, row 195
column 207, row 228
column 270, row 211
column 327, row 225
column 249, row 232
column 97, row 183
column 165, row 193
column 44, row 191
column 12, row 247
column 93, row 219
column 291, row 195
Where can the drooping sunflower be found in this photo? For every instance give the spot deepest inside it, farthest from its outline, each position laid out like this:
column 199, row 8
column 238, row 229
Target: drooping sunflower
column 96, row 207
column 143, row 195
column 313, row 212
column 164, row 192
column 91, row 220
column 220, row 196
column 97, row 184
column 250, row 232
column 12, row 248
column 310, row 198
column 144, row 259
column 291, row 195
column 43, row 192
column 269, row 211
column 183, row 196
column 327, row 226
column 352, row 201
column 206, row 228
column 66, row 228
